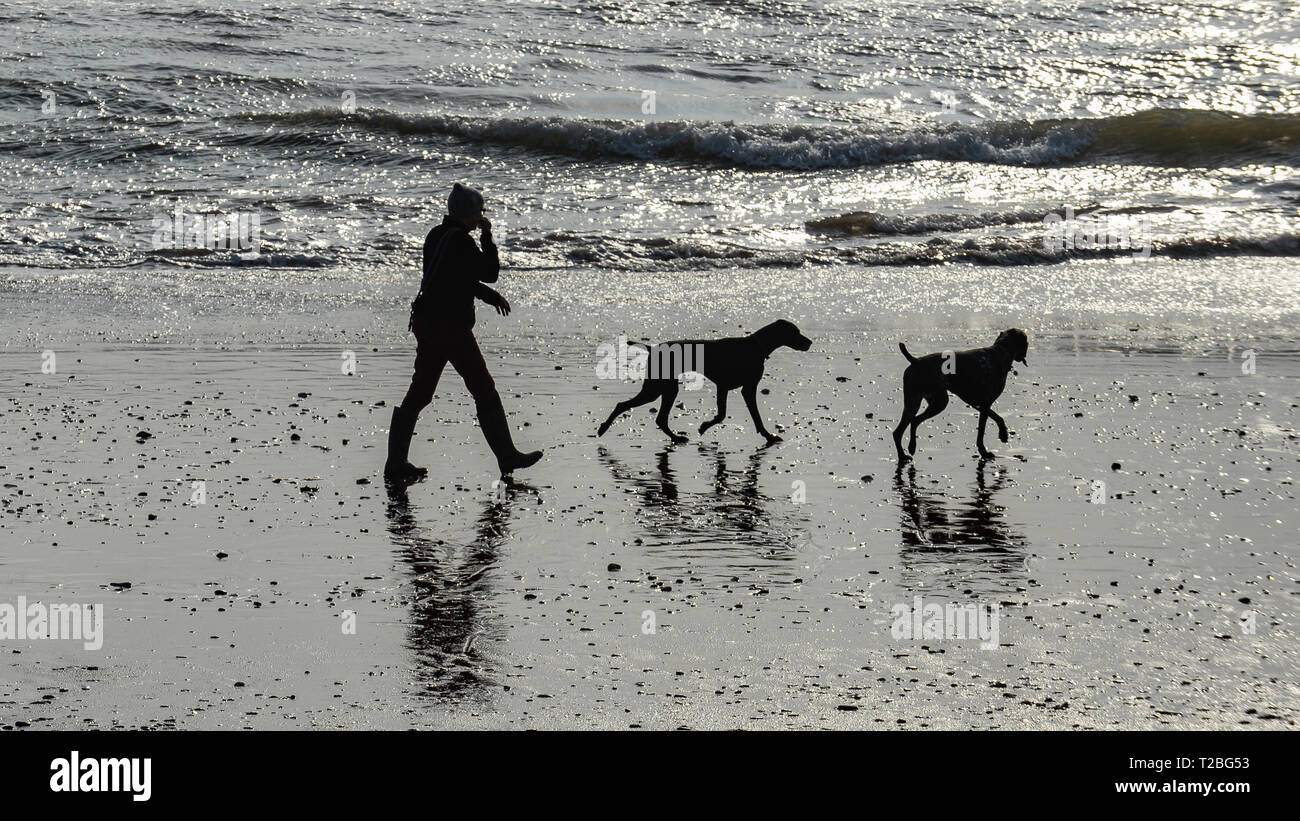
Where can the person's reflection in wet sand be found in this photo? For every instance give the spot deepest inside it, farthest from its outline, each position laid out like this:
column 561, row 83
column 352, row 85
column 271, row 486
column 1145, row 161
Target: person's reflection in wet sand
column 450, row 585
column 967, row 537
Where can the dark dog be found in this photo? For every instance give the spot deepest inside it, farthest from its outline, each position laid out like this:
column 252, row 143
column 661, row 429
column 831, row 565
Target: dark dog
column 976, row 376
column 731, row 363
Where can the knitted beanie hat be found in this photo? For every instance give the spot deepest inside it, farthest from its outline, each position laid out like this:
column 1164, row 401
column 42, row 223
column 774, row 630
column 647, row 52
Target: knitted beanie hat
column 464, row 201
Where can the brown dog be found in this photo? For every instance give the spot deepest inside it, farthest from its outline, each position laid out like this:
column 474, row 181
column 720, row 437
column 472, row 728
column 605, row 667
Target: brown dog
column 977, row 376
column 736, row 362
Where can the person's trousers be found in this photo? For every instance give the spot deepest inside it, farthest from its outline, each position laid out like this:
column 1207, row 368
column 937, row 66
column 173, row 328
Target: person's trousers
column 438, row 345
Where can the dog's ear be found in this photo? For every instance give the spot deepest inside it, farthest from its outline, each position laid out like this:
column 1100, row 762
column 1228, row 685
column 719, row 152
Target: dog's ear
column 1016, row 343
column 775, row 331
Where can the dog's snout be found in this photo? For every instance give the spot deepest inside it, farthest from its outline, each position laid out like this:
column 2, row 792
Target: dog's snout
column 804, row 343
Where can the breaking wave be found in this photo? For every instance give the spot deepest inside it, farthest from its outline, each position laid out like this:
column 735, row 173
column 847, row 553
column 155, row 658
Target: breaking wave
column 1157, row 136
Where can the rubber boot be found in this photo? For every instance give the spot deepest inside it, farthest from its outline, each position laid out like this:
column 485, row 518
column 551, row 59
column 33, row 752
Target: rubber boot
column 497, row 432
column 397, row 468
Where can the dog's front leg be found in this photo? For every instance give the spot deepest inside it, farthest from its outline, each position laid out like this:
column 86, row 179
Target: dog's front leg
column 979, row 440
column 750, row 392
column 722, row 410
column 1002, row 425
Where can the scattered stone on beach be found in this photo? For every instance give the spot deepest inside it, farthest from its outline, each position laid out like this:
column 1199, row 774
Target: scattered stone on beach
column 577, row 615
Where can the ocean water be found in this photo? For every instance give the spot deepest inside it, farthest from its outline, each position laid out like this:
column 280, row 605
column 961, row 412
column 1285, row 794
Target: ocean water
column 305, row 147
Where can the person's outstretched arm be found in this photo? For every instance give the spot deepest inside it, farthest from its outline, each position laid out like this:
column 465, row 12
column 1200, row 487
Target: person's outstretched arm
column 492, row 298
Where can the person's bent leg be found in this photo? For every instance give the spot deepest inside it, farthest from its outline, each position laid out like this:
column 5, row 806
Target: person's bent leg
column 467, row 359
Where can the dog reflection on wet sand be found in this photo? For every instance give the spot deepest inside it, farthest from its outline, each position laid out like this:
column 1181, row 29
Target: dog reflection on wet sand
column 737, row 511
column 974, row 531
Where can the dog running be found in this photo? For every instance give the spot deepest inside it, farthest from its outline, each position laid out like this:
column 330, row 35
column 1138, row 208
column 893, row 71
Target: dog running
column 735, row 362
column 977, row 377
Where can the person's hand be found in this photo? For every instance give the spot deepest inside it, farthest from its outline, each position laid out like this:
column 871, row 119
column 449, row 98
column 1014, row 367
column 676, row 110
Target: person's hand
column 499, row 302
column 484, row 225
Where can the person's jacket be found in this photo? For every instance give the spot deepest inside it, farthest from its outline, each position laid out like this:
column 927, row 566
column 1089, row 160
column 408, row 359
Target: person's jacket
column 454, row 270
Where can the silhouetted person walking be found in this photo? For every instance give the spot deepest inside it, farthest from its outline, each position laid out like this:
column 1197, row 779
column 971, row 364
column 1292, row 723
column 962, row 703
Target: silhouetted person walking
column 442, row 319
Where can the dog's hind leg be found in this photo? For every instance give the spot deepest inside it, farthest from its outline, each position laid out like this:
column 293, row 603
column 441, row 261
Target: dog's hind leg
column 911, row 402
column 668, row 396
column 649, row 390
column 722, row 411
column 935, row 403
column 750, row 392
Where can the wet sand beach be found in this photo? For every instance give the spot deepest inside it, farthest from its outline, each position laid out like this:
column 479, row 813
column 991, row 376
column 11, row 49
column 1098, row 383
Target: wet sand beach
column 627, row 582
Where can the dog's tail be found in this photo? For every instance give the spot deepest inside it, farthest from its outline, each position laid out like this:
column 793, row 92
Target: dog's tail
column 903, row 348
